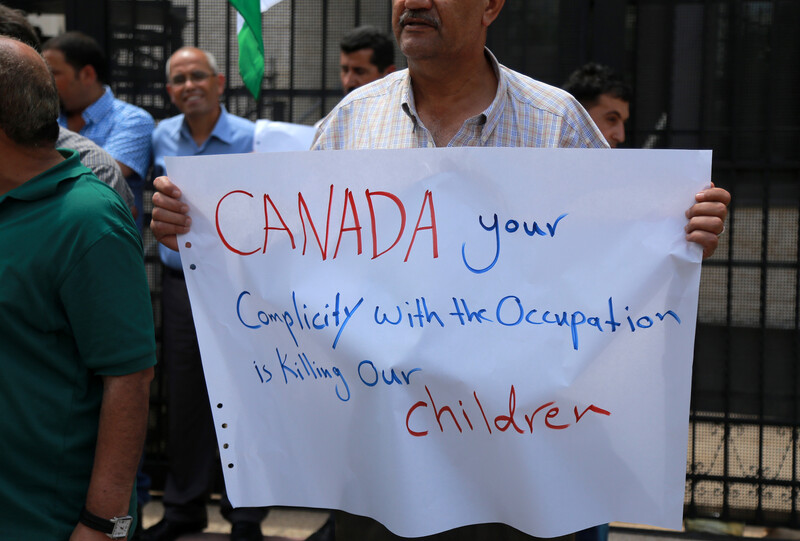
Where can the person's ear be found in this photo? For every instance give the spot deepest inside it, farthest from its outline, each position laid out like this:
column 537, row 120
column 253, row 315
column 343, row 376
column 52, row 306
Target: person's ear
column 170, row 92
column 87, row 74
column 491, row 11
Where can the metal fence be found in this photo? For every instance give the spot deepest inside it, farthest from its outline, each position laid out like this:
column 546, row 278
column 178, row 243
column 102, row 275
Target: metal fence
column 717, row 74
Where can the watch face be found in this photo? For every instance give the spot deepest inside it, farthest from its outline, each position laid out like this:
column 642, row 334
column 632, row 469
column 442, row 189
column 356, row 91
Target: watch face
column 121, row 527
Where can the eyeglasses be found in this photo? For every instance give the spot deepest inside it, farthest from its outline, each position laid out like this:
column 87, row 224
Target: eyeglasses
column 193, row 76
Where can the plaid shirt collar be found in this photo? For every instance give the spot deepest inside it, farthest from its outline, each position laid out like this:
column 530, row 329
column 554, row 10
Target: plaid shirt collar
column 489, row 118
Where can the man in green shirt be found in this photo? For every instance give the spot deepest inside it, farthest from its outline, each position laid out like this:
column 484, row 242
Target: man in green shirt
column 76, row 327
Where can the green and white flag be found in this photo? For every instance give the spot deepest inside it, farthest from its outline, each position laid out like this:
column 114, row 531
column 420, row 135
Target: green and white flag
column 251, row 42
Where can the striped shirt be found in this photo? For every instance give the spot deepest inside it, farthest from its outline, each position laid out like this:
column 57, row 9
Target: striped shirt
column 524, row 113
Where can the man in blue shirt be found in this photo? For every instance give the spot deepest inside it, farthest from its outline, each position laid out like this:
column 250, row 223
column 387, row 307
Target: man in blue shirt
column 204, row 127
column 89, row 108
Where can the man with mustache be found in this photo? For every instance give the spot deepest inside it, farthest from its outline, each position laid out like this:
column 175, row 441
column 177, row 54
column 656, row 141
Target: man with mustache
column 454, row 93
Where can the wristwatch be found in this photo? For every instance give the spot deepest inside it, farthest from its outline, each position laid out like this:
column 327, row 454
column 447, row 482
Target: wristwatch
column 114, row 528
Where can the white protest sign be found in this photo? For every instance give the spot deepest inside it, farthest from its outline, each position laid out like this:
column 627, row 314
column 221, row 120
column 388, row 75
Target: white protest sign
column 441, row 337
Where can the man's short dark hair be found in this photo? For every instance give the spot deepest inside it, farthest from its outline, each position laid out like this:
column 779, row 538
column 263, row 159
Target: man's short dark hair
column 80, row 50
column 28, row 99
column 369, row 37
column 14, row 24
column 591, row 80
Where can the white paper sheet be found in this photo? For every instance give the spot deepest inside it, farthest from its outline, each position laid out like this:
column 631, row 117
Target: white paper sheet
column 533, row 370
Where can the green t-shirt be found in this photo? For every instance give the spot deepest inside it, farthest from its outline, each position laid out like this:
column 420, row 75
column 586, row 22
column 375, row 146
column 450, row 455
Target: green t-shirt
column 74, row 306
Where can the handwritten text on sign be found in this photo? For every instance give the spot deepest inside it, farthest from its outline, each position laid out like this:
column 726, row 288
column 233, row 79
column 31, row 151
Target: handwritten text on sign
column 444, row 337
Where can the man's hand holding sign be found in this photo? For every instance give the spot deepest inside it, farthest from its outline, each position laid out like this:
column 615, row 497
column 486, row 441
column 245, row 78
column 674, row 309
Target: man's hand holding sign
column 475, row 335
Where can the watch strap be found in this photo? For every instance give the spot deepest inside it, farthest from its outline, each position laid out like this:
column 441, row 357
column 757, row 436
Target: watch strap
column 95, row 522
column 116, row 528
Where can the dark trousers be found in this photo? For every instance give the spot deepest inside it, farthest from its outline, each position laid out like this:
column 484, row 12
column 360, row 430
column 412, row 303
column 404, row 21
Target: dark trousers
column 357, row 528
column 192, row 442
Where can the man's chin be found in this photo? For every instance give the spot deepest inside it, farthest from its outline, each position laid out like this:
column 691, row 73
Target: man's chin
column 197, row 109
column 191, row 107
column 418, row 48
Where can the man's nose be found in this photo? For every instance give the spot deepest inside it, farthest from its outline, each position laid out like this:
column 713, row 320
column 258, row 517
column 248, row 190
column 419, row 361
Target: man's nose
column 620, row 134
column 417, row 4
column 349, row 79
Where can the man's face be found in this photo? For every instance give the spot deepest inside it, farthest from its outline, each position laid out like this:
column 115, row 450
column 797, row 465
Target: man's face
column 610, row 115
column 192, row 85
column 427, row 29
column 357, row 69
column 71, row 90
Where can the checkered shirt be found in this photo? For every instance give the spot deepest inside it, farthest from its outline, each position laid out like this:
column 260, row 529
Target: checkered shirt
column 524, row 113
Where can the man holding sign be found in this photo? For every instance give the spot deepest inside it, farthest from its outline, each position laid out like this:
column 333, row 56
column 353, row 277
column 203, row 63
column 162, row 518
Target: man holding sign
column 450, row 76
column 204, row 127
column 454, row 93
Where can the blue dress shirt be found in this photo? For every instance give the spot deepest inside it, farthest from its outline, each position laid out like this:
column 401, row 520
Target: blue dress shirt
column 231, row 135
column 123, row 130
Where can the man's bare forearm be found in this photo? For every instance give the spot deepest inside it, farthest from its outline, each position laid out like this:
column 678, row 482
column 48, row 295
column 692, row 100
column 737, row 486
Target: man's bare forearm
column 120, row 439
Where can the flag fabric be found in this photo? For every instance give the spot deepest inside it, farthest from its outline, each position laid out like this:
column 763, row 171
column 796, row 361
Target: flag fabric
column 251, row 41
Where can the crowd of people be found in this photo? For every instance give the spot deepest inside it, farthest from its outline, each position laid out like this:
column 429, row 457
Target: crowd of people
column 75, row 315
